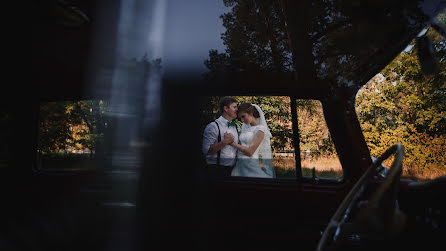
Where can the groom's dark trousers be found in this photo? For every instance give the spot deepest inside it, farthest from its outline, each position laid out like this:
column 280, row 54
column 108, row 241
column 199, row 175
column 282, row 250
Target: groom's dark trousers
column 217, row 171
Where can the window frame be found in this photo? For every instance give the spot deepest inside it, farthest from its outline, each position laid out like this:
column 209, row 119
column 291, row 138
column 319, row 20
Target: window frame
column 299, row 178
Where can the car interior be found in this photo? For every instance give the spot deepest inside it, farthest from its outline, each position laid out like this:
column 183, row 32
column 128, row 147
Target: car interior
column 116, row 127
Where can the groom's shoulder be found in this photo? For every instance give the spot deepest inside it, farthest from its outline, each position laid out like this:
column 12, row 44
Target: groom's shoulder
column 211, row 124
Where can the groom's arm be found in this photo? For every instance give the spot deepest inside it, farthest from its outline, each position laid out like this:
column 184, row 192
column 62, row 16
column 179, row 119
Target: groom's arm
column 214, row 148
column 210, row 140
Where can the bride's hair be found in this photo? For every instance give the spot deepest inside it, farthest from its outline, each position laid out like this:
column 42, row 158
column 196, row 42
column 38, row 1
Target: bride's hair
column 248, row 108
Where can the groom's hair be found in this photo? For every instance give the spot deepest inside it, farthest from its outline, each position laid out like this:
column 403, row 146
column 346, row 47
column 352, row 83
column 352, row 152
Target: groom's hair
column 225, row 101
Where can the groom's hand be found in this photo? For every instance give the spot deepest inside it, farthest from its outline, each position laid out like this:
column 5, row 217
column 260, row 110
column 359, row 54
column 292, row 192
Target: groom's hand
column 228, row 138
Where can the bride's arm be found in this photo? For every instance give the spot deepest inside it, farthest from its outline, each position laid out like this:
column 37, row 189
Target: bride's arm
column 249, row 151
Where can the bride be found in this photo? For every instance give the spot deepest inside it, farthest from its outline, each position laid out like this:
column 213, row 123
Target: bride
column 254, row 158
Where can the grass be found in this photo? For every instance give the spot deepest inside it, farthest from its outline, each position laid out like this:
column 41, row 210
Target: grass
column 330, row 167
column 418, row 173
column 326, row 167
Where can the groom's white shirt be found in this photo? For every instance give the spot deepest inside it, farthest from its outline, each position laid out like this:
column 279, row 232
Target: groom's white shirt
column 210, row 136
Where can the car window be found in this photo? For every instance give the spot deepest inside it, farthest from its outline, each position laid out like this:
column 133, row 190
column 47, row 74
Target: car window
column 316, row 149
column 72, row 135
column 402, row 104
column 277, row 113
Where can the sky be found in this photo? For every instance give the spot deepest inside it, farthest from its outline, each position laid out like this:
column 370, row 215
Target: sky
column 192, row 28
column 180, row 32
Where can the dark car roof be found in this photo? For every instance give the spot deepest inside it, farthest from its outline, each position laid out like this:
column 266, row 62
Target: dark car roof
column 363, row 37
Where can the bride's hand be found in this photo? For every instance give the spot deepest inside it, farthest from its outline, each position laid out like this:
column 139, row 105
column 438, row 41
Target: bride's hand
column 228, row 138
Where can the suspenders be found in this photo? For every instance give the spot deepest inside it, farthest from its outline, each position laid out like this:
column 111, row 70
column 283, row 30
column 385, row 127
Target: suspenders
column 219, row 139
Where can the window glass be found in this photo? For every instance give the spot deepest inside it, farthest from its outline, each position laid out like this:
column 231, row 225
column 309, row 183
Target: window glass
column 317, row 150
column 403, row 105
column 277, row 113
column 71, row 134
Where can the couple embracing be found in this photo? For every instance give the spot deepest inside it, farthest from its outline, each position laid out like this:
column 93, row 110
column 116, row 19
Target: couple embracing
column 229, row 153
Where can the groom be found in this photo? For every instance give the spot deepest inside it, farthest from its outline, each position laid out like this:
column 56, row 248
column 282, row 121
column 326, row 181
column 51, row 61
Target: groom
column 217, row 137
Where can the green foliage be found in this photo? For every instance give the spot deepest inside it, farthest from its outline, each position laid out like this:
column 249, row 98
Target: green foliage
column 71, row 125
column 422, row 152
column 54, row 135
column 277, row 116
column 255, row 38
column 401, row 105
column 313, row 130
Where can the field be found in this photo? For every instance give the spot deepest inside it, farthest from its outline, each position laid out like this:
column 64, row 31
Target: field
column 327, row 167
column 330, row 167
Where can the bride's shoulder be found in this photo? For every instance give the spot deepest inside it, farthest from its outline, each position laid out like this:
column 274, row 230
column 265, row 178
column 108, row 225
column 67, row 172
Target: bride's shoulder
column 260, row 128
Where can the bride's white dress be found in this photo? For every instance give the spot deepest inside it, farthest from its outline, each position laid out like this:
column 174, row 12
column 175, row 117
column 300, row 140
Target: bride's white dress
column 260, row 163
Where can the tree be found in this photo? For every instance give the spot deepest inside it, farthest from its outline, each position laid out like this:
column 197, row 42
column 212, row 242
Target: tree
column 81, row 124
column 255, row 38
column 77, row 125
column 420, row 100
column 345, row 52
column 401, row 105
column 54, row 131
column 313, row 130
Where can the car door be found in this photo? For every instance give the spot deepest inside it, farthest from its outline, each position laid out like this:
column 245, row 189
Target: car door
column 262, row 213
